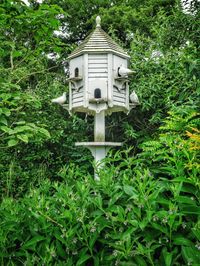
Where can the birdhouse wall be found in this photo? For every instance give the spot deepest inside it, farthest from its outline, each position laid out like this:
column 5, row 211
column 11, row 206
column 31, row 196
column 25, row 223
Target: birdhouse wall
column 75, row 63
column 77, row 98
column 119, row 97
column 76, row 82
column 97, row 74
column 117, row 62
column 120, row 84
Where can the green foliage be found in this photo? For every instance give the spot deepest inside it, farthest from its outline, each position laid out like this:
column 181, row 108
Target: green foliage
column 139, row 213
column 13, row 107
column 145, row 208
column 132, row 216
column 36, row 137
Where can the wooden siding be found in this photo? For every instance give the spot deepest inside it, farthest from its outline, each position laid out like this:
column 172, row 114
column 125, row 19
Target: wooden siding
column 119, row 97
column 77, row 98
column 98, row 66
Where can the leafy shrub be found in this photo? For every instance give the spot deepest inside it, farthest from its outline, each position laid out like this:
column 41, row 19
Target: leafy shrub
column 135, row 215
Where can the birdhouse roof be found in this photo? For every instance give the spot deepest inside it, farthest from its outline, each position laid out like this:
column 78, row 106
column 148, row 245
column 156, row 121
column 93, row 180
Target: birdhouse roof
column 98, row 41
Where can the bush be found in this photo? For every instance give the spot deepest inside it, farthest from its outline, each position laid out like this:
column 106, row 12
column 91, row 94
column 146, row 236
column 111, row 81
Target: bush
column 134, row 215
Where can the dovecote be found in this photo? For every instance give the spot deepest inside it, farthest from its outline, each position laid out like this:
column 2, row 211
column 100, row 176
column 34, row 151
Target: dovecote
column 95, row 82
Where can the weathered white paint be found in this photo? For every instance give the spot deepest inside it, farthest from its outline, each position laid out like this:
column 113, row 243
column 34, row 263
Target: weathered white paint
column 85, row 79
column 99, row 126
column 98, row 59
column 74, row 63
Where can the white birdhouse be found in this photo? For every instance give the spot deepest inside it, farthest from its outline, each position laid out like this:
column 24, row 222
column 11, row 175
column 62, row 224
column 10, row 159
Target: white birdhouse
column 99, row 73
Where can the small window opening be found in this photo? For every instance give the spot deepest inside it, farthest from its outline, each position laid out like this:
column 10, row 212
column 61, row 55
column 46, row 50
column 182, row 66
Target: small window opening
column 76, row 72
column 97, row 93
column 118, row 72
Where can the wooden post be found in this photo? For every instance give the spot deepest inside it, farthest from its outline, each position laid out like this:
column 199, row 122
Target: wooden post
column 99, row 127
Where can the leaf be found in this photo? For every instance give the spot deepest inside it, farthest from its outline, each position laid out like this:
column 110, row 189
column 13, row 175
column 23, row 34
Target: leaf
column 187, row 200
column 19, row 129
column 12, row 142
column 167, row 257
column 24, row 138
column 190, row 255
column 97, row 213
column 128, row 233
column 115, row 197
column 67, row 214
column 5, row 129
column 162, row 229
column 182, row 241
column 83, row 259
column 196, row 232
column 3, row 121
column 32, row 242
column 17, row 53
column 60, row 249
column 143, row 223
column 44, row 132
column 140, row 261
column 190, row 209
column 6, row 111
column 20, row 123
column 96, row 260
column 131, row 191
column 93, row 240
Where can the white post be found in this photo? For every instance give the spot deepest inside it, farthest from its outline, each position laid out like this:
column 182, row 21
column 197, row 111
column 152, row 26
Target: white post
column 99, row 151
column 99, row 127
column 99, row 136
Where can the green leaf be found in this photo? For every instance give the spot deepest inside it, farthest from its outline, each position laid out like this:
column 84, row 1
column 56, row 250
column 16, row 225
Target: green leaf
column 12, row 142
column 167, row 257
column 67, row 214
column 83, row 259
column 143, row 223
column 140, row 261
column 96, row 261
column 3, row 121
column 196, row 232
column 60, row 249
column 131, row 191
column 32, row 242
column 17, row 53
column 24, row 138
column 182, row 241
column 190, row 209
column 44, row 132
column 19, row 129
column 20, row 123
column 187, row 200
column 5, row 129
column 160, row 228
column 93, row 239
column 127, row 233
column 6, row 111
column 190, row 255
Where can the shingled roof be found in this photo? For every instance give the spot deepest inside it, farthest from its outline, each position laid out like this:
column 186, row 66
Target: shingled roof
column 97, row 42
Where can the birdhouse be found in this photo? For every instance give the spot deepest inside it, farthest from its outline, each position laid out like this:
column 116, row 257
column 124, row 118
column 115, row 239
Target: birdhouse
column 98, row 79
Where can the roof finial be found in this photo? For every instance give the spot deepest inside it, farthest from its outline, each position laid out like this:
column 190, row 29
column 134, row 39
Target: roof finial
column 98, row 21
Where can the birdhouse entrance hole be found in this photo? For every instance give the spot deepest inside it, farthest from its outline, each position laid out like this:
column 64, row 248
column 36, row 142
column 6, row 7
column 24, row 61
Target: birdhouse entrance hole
column 97, row 93
column 76, row 72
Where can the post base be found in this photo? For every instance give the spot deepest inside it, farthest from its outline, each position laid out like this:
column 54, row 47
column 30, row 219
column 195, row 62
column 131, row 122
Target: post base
column 99, row 151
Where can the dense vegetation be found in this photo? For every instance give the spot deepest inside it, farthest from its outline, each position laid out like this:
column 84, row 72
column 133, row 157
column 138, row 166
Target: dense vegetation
column 145, row 209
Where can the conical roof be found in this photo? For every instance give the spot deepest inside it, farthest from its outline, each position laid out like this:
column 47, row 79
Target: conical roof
column 97, row 42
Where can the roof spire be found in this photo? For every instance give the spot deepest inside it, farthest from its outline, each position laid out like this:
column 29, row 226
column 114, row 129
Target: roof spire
column 98, row 21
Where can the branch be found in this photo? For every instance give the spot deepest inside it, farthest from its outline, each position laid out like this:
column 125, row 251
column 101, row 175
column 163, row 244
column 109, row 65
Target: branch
column 23, row 59
column 33, row 73
column 11, row 59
